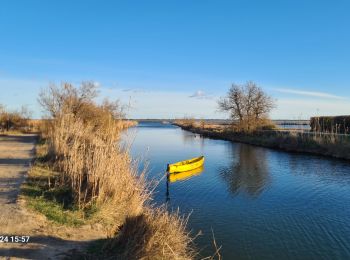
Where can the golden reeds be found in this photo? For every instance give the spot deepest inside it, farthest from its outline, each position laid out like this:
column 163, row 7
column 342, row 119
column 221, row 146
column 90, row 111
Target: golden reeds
column 85, row 146
column 161, row 235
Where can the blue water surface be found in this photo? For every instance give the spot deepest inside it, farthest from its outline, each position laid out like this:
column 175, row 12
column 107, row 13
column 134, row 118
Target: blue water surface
column 259, row 203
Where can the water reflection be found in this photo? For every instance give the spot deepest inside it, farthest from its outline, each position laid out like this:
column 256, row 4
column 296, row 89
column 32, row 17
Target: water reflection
column 193, row 139
column 286, row 205
column 167, row 193
column 181, row 176
column 248, row 171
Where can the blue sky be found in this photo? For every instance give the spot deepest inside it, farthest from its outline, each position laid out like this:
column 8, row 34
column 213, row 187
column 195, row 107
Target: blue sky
column 176, row 58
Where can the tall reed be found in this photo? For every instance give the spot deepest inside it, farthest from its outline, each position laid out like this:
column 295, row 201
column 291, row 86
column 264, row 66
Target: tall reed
column 96, row 168
column 84, row 143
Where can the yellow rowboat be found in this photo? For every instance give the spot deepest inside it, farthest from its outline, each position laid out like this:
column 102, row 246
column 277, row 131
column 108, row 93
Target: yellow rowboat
column 181, row 176
column 187, row 165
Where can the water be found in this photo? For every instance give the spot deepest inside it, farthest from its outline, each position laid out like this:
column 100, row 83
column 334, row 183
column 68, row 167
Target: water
column 260, row 203
column 295, row 127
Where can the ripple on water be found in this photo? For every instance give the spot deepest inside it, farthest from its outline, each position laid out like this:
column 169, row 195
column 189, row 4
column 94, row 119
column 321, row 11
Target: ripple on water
column 259, row 202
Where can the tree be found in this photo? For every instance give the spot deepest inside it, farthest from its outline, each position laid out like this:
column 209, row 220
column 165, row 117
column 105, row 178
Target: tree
column 14, row 119
column 248, row 104
column 79, row 102
column 67, row 98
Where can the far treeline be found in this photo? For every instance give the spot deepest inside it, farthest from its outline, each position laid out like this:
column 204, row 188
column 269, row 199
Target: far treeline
column 15, row 119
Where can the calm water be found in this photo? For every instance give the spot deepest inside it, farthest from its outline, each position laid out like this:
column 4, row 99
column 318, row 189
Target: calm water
column 297, row 127
column 260, row 203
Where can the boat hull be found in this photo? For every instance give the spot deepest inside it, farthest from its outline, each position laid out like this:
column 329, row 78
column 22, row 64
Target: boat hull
column 187, row 165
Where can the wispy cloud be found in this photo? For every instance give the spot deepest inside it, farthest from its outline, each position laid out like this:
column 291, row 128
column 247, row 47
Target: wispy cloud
column 96, row 84
column 200, row 95
column 308, row 93
column 134, row 90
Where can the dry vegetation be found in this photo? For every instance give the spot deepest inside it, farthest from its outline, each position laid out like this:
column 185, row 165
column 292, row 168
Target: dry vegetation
column 329, row 144
column 83, row 147
column 161, row 235
column 12, row 121
column 249, row 107
column 331, row 124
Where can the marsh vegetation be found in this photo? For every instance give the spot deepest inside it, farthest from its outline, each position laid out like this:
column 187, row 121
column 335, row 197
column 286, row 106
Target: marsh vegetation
column 83, row 175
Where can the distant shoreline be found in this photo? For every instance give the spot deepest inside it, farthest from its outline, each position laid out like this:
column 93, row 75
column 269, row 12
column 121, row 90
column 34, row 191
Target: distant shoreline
column 224, row 121
column 335, row 146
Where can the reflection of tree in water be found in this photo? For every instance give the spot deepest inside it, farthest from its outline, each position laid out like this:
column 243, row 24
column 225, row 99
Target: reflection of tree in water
column 248, row 171
column 191, row 138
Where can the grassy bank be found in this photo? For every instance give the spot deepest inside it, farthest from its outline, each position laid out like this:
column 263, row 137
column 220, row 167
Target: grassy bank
column 42, row 193
column 332, row 145
column 83, row 175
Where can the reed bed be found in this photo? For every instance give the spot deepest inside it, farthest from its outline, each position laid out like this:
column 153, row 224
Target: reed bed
column 84, row 147
column 328, row 144
column 161, row 235
column 98, row 171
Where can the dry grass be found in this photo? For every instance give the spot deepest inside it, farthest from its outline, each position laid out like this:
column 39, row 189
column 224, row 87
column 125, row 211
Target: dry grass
column 97, row 169
column 159, row 235
column 259, row 124
column 101, row 173
column 329, row 144
column 84, row 147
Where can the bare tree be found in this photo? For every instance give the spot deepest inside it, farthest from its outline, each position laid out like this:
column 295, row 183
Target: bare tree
column 79, row 102
column 233, row 102
column 14, row 119
column 3, row 117
column 114, row 107
column 248, row 104
column 66, row 98
column 25, row 112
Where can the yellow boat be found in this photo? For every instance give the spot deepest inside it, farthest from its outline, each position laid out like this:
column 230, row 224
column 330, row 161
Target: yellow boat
column 187, row 165
column 181, row 176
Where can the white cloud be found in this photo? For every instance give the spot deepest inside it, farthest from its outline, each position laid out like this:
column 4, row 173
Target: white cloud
column 96, row 84
column 200, row 95
column 308, row 93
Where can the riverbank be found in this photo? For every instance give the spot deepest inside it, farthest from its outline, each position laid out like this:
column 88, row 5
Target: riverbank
column 79, row 179
column 45, row 238
column 84, row 175
column 332, row 145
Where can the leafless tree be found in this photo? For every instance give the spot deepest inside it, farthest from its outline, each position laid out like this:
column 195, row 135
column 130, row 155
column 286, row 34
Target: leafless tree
column 25, row 112
column 14, row 119
column 114, row 107
column 79, row 102
column 248, row 104
column 55, row 100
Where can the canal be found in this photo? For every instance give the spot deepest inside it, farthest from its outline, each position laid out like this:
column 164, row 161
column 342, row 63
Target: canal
column 259, row 203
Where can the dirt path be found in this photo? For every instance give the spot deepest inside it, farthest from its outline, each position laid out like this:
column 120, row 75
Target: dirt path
column 47, row 241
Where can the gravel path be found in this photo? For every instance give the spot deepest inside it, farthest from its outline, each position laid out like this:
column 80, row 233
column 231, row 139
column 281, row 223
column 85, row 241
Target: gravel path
column 47, row 241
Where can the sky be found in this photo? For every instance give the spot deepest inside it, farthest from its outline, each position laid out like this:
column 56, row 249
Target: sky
column 170, row 59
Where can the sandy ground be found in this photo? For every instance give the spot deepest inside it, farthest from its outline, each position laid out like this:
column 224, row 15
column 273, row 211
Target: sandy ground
column 47, row 241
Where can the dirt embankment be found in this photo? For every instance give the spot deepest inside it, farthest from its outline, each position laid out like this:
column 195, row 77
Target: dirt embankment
column 47, row 240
